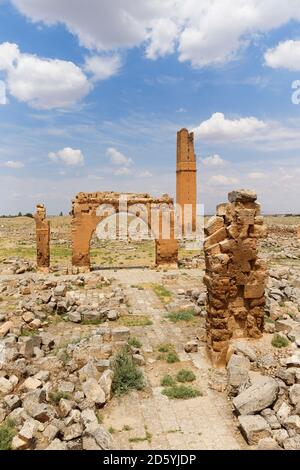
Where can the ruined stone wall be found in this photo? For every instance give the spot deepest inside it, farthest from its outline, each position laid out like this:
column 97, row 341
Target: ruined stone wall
column 186, row 176
column 235, row 277
column 42, row 238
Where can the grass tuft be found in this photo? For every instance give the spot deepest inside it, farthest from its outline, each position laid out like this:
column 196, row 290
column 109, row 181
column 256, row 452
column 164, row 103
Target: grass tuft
column 186, row 315
column 134, row 342
column 181, row 392
column 167, row 381
column 127, row 375
column 279, row 341
column 7, row 433
column 185, row 375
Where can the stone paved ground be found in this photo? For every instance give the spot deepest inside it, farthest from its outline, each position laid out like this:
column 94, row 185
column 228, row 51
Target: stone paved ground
column 149, row 420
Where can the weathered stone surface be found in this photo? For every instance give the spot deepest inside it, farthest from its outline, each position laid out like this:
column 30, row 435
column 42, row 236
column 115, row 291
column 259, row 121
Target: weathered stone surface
column 242, row 195
column 94, row 392
column 57, row 444
column 294, row 394
column 5, row 386
column 268, row 443
column 238, row 371
column 254, row 428
column 257, row 397
column 5, row 328
column 191, row 347
column 102, row 438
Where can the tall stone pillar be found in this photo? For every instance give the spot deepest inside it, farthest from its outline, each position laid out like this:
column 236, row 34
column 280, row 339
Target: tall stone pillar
column 42, row 239
column 235, row 277
column 186, row 180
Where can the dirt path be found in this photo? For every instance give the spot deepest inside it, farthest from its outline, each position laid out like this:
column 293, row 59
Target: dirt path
column 149, row 420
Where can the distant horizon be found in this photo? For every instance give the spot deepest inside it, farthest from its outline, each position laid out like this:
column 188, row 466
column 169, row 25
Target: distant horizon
column 85, row 106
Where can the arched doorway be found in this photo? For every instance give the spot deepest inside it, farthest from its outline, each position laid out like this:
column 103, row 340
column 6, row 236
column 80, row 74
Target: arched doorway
column 91, row 209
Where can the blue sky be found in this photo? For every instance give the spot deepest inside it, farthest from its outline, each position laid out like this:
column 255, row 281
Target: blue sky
column 92, row 94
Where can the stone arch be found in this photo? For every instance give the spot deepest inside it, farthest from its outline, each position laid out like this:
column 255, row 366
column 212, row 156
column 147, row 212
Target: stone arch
column 89, row 209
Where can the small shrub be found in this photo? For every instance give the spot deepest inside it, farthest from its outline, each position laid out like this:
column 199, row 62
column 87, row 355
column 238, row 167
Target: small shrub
column 167, row 381
column 134, row 342
column 172, row 357
column 7, row 433
column 186, row 315
column 111, row 430
column 56, row 396
column 181, row 392
column 127, row 375
column 279, row 341
column 185, row 375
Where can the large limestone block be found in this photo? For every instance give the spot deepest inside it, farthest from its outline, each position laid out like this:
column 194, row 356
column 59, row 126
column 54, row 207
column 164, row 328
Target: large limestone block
column 254, row 428
column 213, row 225
column 242, row 195
column 217, row 237
column 257, row 397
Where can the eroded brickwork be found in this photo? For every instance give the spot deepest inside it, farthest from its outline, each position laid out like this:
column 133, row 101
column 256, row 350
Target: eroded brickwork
column 89, row 209
column 42, row 238
column 186, row 178
column 235, row 277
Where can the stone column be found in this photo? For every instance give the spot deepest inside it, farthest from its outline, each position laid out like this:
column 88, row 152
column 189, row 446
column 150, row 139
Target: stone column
column 42, row 239
column 235, row 277
column 166, row 243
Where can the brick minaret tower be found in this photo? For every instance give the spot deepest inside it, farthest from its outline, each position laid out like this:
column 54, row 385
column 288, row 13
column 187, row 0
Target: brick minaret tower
column 186, row 180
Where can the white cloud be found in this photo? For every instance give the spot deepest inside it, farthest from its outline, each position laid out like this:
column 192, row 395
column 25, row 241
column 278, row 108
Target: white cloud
column 203, row 32
column 118, row 158
column 144, row 174
column 219, row 128
column 162, row 38
column 68, row 156
column 256, row 175
column 223, row 180
column 286, row 55
column 3, row 99
column 213, row 160
column 42, row 83
column 16, row 165
column 122, row 171
column 103, row 67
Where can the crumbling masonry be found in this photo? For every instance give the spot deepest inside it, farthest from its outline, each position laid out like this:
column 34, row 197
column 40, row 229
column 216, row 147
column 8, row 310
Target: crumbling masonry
column 42, row 239
column 235, row 278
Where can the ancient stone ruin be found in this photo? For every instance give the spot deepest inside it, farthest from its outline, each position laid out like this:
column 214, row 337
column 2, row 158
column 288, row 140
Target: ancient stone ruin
column 235, row 277
column 42, row 239
column 90, row 209
column 186, row 181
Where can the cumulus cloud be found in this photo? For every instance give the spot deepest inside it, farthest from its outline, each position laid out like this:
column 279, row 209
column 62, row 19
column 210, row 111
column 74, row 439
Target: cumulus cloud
column 3, row 99
column 213, row 160
column 144, row 174
column 223, row 180
column 42, row 83
column 103, row 67
column 118, row 158
column 67, row 156
column 256, row 175
column 122, row 171
column 286, row 55
column 204, row 33
column 220, row 128
column 14, row 164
